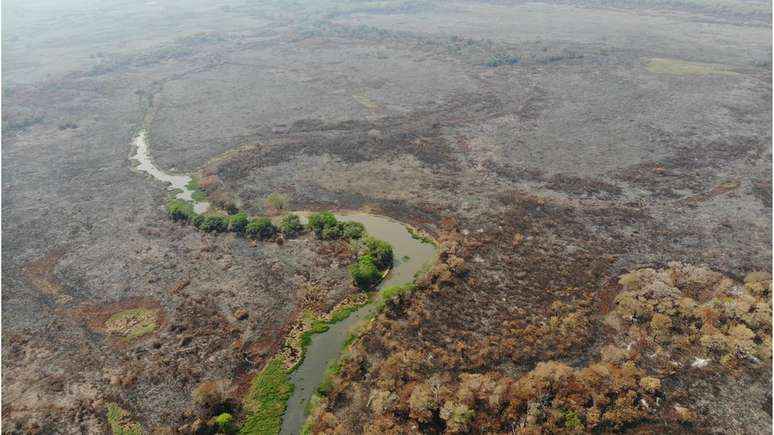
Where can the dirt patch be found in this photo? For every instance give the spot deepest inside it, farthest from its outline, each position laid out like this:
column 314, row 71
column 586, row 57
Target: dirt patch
column 41, row 274
column 683, row 68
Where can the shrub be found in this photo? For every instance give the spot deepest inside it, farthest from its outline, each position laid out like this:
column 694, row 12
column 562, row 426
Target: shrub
column 277, row 201
column 214, row 223
column 290, row 225
column 224, row 422
column 331, row 233
column 260, row 228
column 238, row 223
column 571, row 420
column 380, row 251
column 197, row 220
column 352, row 230
column 179, row 210
column 502, row 58
column 318, row 222
column 365, row 273
column 120, row 422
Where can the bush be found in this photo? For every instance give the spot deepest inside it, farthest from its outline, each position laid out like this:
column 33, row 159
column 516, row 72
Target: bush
column 179, row 210
column 120, row 422
column 502, row 59
column 290, row 225
column 571, row 420
column 224, row 422
column 260, row 228
column 318, row 222
column 238, row 223
column 351, row 230
column 277, row 201
column 380, row 251
column 331, row 233
column 365, row 273
column 197, row 220
column 214, row 223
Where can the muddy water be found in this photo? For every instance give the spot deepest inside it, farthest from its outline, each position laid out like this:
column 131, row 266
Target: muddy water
column 176, row 182
column 411, row 256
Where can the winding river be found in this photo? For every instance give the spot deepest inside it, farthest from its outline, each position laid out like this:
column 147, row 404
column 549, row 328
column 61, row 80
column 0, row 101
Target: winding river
column 410, row 256
column 177, row 182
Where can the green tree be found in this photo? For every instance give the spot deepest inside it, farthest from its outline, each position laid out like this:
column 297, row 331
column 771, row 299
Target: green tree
column 277, row 201
column 318, row 222
column 260, row 228
column 238, row 222
column 290, row 225
column 352, row 230
column 380, row 251
column 179, row 210
column 214, row 223
column 365, row 273
column 224, row 422
column 331, row 233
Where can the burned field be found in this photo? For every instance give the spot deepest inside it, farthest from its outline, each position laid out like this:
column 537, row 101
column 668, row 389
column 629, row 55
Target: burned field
column 598, row 176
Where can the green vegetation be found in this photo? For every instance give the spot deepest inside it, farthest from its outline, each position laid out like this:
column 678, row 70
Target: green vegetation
column 392, row 292
column 502, row 58
column 319, row 326
column 351, row 230
column 132, row 323
column 290, row 226
column 365, row 273
column 571, row 420
column 319, row 222
column 260, row 228
column 198, row 194
column 119, row 421
column 462, row 414
column 238, row 223
column 267, row 400
column 179, row 210
column 224, row 422
column 197, row 220
column 277, row 202
column 327, row 227
column 379, row 250
column 212, row 223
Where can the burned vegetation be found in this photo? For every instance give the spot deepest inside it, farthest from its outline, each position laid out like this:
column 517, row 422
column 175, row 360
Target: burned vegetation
column 596, row 174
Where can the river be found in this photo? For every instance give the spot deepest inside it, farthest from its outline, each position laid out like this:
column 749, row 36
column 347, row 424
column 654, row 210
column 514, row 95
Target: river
column 410, row 256
column 175, row 181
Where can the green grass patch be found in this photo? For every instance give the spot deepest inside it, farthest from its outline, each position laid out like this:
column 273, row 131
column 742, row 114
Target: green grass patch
column 119, row 421
column 267, row 400
column 392, row 292
column 198, row 194
column 683, row 68
column 132, row 323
